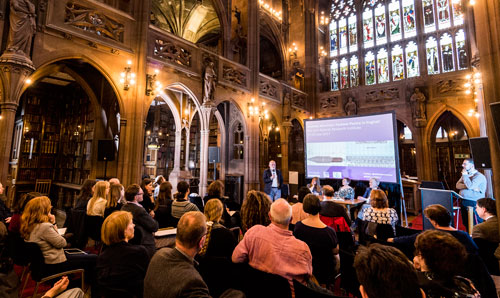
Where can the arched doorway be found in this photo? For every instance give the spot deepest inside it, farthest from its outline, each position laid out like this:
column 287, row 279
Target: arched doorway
column 450, row 146
column 407, row 151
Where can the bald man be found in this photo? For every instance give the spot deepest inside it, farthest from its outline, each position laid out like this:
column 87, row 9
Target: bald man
column 274, row 249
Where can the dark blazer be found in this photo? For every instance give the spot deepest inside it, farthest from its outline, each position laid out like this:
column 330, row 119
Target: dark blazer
column 122, row 266
column 172, row 274
column 268, row 182
column 146, row 224
column 487, row 230
column 332, row 209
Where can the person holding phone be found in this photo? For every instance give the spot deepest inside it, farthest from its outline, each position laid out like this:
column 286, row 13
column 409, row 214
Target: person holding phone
column 273, row 180
column 472, row 187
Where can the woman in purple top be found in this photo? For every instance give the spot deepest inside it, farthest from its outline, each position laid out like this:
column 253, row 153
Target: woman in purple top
column 321, row 239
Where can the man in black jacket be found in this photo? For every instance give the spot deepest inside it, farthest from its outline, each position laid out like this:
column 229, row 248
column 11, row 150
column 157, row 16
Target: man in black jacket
column 273, row 180
column 331, row 209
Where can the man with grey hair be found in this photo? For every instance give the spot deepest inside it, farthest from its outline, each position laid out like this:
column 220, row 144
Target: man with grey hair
column 274, row 249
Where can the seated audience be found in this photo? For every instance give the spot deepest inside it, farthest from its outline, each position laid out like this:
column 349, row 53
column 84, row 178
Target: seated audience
column 171, row 272
column 121, row 266
column 273, row 249
column 148, row 201
column 114, row 181
column 158, row 181
column 216, row 191
column 181, row 203
column 331, row 209
column 321, row 239
column 298, row 213
column 488, row 229
column 163, row 206
column 315, row 186
column 38, row 225
column 440, row 219
column 142, row 220
column 4, row 210
column 255, row 210
column 97, row 204
column 379, row 211
column 85, row 194
column 346, row 192
column 384, row 271
column 440, row 258
column 59, row 290
column 15, row 220
column 220, row 242
column 116, row 196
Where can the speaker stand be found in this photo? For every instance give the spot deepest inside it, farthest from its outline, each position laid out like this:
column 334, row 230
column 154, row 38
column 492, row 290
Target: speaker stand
column 105, row 168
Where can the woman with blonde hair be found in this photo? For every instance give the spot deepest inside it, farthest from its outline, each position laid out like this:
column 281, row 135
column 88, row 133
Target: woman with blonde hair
column 220, row 241
column 116, row 199
column 97, row 204
column 114, row 275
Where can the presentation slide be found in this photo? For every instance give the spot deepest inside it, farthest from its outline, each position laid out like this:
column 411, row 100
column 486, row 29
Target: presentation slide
column 359, row 148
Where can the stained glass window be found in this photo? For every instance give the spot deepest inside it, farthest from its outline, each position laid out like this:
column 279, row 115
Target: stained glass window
column 398, row 66
column 458, row 14
column 333, row 39
column 461, row 50
column 447, row 52
column 409, row 18
column 334, row 72
column 354, row 71
column 412, row 60
column 380, row 26
column 343, row 36
column 353, row 36
column 443, row 8
column 368, row 28
column 344, row 74
column 432, row 55
column 369, row 68
column 395, row 20
column 382, row 66
column 428, row 7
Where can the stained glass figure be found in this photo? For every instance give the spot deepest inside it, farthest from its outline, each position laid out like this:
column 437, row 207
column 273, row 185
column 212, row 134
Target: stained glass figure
column 368, row 28
column 462, row 59
column 343, row 36
column 432, row 56
column 333, row 39
column 382, row 66
column 428, row 7
column 412, row 60
column 458, row 14
column 354, row 71
column 409, row 18
column 443, row 8
column 397, row 63
column 447, row 52
column 380, row 24
column 369, row 68
column 334, row 72
column 344, row 74
column 395, row 20
column 353, row 36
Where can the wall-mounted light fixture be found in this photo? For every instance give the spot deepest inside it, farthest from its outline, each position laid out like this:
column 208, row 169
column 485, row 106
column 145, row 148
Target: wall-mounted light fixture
column 322, row 52
column 292, row 51
column 254, row 110
column 275, row 13
column 153, row 85
column 127, row 77
column 471, row 88
column 323, row 20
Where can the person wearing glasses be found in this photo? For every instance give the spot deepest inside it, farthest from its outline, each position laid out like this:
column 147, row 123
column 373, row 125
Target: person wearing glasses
column 273, row 181
column 144, row 223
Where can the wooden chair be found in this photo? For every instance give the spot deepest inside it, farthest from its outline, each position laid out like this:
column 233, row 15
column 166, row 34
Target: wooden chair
column 43, row 186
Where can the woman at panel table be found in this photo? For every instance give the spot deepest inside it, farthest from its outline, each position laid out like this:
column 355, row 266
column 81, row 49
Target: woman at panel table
column 346, row 192
column 315, row 186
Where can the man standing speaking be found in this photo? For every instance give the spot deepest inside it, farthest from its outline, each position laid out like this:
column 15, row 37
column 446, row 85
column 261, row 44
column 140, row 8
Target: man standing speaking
column 273, row 181
column 472, row 187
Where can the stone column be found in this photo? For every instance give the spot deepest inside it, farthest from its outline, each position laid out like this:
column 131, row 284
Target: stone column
column 173, row 178
column 186, row 150
column 204, row 162
column 8, row 114
column 122, row 153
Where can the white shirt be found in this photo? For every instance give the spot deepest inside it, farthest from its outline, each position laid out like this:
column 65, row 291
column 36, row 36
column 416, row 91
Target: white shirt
column 275, row 180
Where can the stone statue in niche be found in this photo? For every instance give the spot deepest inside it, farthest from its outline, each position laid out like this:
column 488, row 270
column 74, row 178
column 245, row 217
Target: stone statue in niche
column 417, row 101
column 351, row 108
column 286, row 106
column 209, row 81
column 22, row 27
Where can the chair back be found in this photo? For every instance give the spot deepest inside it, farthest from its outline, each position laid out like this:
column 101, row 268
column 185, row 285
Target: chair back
column 93, row 226
column 303, row 291
column 36, row 260
column 43, row 186
column 487, row 253
column 257, row 284
column 236, row 233
column 384, row 231
column 339, row 224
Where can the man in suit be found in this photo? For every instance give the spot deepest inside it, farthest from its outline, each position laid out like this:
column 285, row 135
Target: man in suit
column 273, row 180
column 488, row 230
column 144, row 223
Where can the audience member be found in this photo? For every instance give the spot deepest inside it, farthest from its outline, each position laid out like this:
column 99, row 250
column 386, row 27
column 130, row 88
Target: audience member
column 144, row 223
column 85, row 194
column 321, row 239
column 379, row 211
column 164, row 195
column 488, row 229
column 116, row 197
column 114, row 181
column 5, row 213
column 59, row 290
column 384, row 271
column 121, row 266
column 440, row 258
column 255, row 210
column 274, row 249
column 346, row 192
column 331, row 209
column 298, row 213
column 373, row 184
column 181, row 204
column 216, row 191
column 38, row 225
column 315, row 186
column 15, row 220
column 148, row 201
column 163, row 206
column 97, row 204
column 158, row 181
column 220, row 242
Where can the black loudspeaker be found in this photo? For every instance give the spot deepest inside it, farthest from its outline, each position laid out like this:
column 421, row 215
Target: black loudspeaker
column 105, row 150
column 480, row 149
column 213, row 154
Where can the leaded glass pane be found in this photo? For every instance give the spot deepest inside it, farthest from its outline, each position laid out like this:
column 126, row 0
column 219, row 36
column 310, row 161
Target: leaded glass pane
column 412, row 60
column 461, row 50
column 428, row 7
column 344, row 73
column 443, row 8
column 370, row 68
column 382, row 66
column 432, row 56
column 458, row 14
column 447, row 53
column 334, row 72
column 409, row 18
column 354, row 71
column 368, row 28
column 395, row 20
column 397, row 63
column 353, row 35
column 333, row 39
column 343, row 36
column 380, row 24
